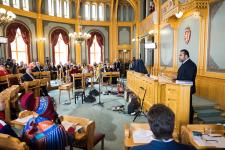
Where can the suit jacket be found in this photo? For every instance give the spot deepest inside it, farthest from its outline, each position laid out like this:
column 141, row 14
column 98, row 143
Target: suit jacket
column 36, row 69
column 187, row 72
column 159, row 145
column 27, row 77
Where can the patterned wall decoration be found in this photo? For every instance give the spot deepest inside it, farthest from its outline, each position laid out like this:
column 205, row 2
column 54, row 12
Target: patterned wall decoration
column 188, row 37
column 216, row 34
column 166, row 46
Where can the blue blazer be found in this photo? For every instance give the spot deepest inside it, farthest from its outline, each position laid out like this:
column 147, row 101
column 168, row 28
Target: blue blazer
column 159, row 145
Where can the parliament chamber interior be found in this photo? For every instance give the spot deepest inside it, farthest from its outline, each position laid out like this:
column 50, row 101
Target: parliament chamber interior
column 112, row 74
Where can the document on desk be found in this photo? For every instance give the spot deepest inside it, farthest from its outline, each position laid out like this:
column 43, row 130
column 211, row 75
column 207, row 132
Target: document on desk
column 67, row 125
column 205, row 140
column 142, row 136
column 25, row 119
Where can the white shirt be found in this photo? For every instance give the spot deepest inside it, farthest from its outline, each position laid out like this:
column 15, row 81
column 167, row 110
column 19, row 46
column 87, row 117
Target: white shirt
column 185, row 61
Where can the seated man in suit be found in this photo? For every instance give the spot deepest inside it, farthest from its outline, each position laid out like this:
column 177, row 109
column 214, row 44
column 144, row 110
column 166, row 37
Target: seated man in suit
column 161, row 121
column 29, row 77
column 38, row 68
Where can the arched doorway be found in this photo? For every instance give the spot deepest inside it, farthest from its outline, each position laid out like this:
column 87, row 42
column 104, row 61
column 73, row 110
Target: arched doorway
column 95, row 47
column 19, row 38
column 60, row 46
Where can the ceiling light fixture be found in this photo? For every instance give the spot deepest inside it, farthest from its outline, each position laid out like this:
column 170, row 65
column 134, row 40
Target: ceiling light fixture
column 179, row 14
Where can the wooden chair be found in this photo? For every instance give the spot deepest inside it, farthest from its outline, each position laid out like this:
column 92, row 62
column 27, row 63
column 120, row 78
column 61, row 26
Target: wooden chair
column 106, row 75
column 33, row 86
column 91, row 139
column 68, row 87
column 186, row 131
column 87, row 76
column 46, row 75
column 14, row 79
column 8, row 142
column 76, row 77
column 4, row 80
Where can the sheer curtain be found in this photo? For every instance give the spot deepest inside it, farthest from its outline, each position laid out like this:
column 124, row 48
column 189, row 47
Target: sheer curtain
column 60, row 46
column 93, row 43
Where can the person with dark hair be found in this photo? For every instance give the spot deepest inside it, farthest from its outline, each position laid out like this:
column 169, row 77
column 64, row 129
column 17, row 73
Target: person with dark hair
column 161, row 120
column 187, row 72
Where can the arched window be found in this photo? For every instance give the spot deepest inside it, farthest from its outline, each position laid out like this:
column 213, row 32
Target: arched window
column 26, row 5
column 18, row 42
column 51, row 7
column 19, row 48
column 95, row 52
column 16, row 3
column 66, row 9
column 94, row 11
column 60, row 46
column 87, row 11
column 95, row 48
column 5, row 2
column 59, row 8
column 101, row 12
column 61, row 51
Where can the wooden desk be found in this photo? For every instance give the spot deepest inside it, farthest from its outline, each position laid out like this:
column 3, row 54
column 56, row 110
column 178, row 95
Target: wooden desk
column 128, row 129
column 20, row 126
column 187, row 136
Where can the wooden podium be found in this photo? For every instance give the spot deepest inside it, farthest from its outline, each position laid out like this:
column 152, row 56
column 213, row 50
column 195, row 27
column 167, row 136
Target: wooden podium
column 162, row 90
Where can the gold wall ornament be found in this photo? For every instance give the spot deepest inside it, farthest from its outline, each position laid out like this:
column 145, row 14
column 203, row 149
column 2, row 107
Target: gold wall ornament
column 187, row 35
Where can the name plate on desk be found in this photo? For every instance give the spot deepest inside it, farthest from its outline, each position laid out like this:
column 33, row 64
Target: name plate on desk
column 184, row 82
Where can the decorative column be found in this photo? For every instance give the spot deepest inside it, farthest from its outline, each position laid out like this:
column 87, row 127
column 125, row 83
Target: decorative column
column 40, row 44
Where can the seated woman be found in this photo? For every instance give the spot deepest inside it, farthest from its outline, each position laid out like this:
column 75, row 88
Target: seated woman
column 4, row 127
column 43, row 132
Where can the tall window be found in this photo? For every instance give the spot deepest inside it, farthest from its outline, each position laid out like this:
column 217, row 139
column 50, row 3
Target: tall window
column 51, row 7
column 95, row 52
column 19, row 48
column 101, row 12
column 16, row 3
column 5, row 2
column 61, row 51
column 26, row 5
column 87, row 11
column 94, row 12
column 59, row 8
column 66, row 9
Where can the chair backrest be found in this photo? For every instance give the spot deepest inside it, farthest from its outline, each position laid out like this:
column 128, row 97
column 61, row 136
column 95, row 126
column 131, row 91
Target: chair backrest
column 89, row 128
column 14, row 79
column 115, row 74
column 45, row 74
column 3, row 80
column 8, row 142
column 33, row 86
column 36, row 75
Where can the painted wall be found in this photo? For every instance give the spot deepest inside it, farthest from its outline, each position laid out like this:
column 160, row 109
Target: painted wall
column 84, row 49
column 166, row 46
column 216, row 47
column 193, row 45
column 124, row 34
column 48, row 26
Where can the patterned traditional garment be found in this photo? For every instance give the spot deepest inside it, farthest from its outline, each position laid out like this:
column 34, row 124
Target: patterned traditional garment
column 41, row 133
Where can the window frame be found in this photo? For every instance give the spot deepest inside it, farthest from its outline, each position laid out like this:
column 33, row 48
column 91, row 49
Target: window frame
column 6, row 2
column 96, row 11
column 66, row 7
column 51, row 8
column 87, row 15
column 16, row 4
column 59, row 8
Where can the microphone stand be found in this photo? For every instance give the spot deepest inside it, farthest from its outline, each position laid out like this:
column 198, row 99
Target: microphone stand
column 99, row 90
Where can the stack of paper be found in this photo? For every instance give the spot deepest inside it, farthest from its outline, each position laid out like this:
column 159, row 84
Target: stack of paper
column 142, row 136
column 213, row 141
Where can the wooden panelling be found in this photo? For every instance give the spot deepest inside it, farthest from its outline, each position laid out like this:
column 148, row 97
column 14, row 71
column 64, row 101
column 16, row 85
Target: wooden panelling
column 212, row 89
column 175, row 96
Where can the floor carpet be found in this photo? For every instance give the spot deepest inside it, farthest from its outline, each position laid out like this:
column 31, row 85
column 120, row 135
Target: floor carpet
column 107, row 121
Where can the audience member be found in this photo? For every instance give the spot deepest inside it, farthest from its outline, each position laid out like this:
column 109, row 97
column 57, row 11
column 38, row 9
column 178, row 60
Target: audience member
column 161, row 120
column 43, row 132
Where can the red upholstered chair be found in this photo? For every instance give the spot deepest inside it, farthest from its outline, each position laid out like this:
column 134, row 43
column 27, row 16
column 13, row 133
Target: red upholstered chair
column 99, row 137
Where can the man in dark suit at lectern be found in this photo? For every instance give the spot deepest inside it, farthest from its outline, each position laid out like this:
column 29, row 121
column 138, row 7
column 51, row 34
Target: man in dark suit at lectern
column 187, row 72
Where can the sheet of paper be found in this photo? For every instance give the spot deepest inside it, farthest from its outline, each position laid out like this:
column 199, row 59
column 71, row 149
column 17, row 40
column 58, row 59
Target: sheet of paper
column 24, row 120
column 142, row 136
column 218, row 142
column 67, row 125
